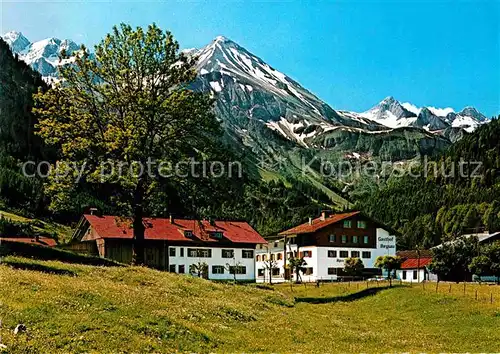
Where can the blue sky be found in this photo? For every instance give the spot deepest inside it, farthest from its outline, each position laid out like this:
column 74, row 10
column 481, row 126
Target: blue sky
column 351, row 54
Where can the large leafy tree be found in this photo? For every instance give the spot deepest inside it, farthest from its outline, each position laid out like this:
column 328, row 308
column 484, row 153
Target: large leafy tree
column 451, row 260
column 117, row 112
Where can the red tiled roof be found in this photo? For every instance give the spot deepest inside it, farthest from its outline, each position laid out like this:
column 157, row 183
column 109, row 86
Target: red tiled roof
column 42, row 241
column 318, row 224
column 413, row 263
column 109, row 226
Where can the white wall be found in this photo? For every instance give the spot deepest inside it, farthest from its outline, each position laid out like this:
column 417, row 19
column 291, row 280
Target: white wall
column 418, row 274
column 273, row 248
column 320, row 262
column 216, row 259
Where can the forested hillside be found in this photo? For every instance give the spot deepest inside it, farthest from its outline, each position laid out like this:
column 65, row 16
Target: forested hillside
column 17, row 141
column 428, row 208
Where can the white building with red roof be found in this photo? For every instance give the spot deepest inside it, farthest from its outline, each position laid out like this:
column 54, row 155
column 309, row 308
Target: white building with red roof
column 325, row 243
column 174, row 244
column 415, row 267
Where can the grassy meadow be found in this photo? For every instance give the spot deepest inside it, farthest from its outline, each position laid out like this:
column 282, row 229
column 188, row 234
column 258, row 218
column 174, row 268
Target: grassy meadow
column 80, row 308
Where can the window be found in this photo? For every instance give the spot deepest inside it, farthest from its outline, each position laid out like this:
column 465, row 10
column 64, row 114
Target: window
column 276, row 245
column 347, row 224
column 354, row 239
column 171, row 268
column 365, row 239
column 289, row 254
column 415, row 273
column 332, row 271
column 309, row 271
column 182, row 251
column 273, row 257
column 361, row 224
column 182, row 269
column 217, row 235
column 355, row 254
column 247, row 253
column 188, row 233
column 404, row 274
column 276, row 271
column 199, row 252
column 227, row 253
column 238, row 270
column 367, row 254
column 332, row 254
column 205, row 253
column 264, row 258
column 344, row 239
column 332, row 238
column 217, row 269
column 172, row 252
column 260, row 272
column 280, row 256
column 307, row 254
column 344, row 254
column 257, row 258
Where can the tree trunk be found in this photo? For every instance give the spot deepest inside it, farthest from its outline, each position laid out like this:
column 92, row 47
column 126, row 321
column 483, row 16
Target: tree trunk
column 138, row 226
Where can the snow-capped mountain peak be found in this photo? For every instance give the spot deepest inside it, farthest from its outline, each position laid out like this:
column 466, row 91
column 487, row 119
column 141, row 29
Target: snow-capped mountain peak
column 391, row 113
column 16, row 41
column 473, row 113
column 231, row 62
column 43, row 55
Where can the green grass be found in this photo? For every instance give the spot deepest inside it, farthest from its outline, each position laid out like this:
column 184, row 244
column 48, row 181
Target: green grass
column 78, row 308
column 62, row 233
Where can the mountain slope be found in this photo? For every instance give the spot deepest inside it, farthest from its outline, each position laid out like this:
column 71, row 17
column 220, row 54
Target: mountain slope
column 249, row 92
column 42, row 56
column 248, row 88
column 434, row 205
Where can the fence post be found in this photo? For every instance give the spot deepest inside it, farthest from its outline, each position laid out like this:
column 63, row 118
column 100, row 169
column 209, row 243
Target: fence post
column 464, row 287
column 491, row 298
column 437, row 285
column 476, row 294
column 450, row 289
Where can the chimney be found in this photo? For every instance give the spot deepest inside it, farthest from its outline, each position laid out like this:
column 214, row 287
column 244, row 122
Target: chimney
column 171, row 218
column 310, row 221
column 93, row 211
column 323, row 216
